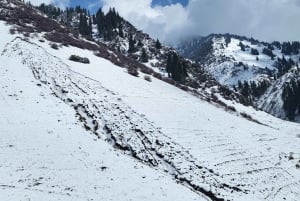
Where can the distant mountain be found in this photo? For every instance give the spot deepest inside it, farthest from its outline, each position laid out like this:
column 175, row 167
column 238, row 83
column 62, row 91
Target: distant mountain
column 266, row 74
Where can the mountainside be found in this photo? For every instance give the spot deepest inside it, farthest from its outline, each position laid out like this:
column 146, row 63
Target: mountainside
column 150, row 56
column 267, row 74
column 46, row 152
column 154, row 58
column 75, row 124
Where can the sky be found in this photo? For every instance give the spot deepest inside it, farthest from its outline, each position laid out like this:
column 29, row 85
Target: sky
column 172, row 20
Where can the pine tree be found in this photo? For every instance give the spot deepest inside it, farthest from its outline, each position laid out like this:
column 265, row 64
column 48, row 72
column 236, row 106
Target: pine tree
column 100, row 19
column 144, row 56
column 131, row 48
column 140, row 44
column 158, row 44
column 268, row 52
column 290, row 98
column 83, row 25
column 175, row 67
column 242, row 46
column 240, row 85
column 121, row 33
column 286, row 48
column 254, row 51
column 245, row 90
column 169, row 65
column 90, row 26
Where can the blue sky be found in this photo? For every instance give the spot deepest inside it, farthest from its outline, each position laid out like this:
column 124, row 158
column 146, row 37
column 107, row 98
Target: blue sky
column 169, row 2
column 89, row 4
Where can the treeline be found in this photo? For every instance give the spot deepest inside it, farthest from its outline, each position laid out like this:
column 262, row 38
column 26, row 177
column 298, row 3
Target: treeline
column 66, row 17
column 109, row 25
column 50, row 10
column 291, row 98
column 176, row 67
column 251, row 90
column 283, row 65
column 289, row 48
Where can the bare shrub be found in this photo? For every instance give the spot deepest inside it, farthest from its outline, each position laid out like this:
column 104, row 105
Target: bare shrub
column 231, row 108
column 146, row 70
column 169, row 80
column 221, row 103
column 133, row 71
column 54, row 46
column 157, row 75
column 184, row 88
column 148, row 78
column 79, row 59
column 12, row 31
column 247, row 116
column 66, row 39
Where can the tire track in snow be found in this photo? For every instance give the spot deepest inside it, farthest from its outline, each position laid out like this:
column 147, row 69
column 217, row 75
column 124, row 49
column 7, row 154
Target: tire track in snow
column 105, row 115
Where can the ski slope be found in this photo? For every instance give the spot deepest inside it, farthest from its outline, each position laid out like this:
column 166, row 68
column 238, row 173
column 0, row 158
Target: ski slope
column 72, row 131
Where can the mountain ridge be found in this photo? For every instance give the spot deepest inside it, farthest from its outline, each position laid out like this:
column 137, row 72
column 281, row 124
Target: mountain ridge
column 252, row 68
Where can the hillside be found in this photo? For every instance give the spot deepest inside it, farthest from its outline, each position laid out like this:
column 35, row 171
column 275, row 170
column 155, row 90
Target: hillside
column 77, row 130
column 47, row 153
column 264, row 73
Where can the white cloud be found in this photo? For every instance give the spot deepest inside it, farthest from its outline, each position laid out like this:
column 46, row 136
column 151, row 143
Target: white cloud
column 159, row 21
column 262, row 19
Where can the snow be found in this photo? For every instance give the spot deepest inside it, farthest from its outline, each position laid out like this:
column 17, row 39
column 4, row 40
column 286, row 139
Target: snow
column 222, row 141
column 234, row 50
column 228, row 72
column 45, row 143
column 46, row 154
column 228, row 64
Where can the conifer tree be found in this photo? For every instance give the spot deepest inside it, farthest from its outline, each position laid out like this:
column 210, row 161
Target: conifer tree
column 131, row 48
column 144, row 56
column 83, row 25
column 100, row 19
column 175, row 67
column 140, row 44
column 90, row 26
column 157, row 44
column 254, row 51
column 121, row 33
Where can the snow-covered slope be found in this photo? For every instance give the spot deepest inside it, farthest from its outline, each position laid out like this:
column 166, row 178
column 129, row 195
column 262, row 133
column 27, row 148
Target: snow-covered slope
column 236, row 61
column 150, row 140
column 228, row 63
column 46, row 154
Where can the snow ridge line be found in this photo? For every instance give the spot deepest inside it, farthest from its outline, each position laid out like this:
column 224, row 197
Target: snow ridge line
column 105, row 115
